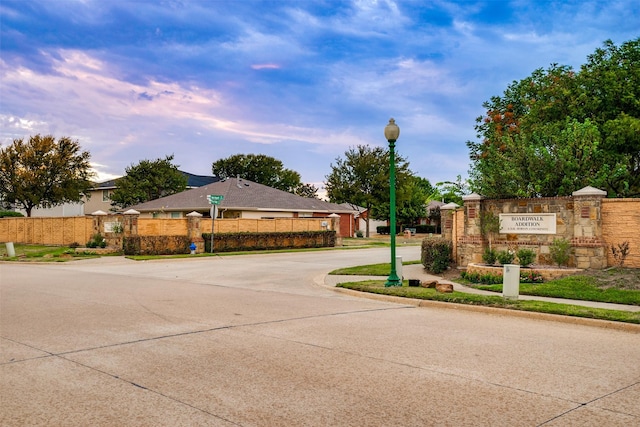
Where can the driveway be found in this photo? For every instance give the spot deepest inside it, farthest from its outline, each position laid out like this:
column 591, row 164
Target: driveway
column 255, row 341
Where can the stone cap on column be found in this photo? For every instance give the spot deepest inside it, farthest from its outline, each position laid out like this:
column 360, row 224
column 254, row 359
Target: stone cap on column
column 473, row 197
column 589, row 191
column 449, row 206
column 194, row 214
column 99, row 213
column 131, row 212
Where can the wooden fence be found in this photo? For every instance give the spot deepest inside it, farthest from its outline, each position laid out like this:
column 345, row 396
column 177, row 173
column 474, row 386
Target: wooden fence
column 47, row 231
column 65, row 231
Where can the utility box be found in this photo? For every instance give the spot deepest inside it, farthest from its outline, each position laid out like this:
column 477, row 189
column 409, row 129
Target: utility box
column 399, row 266
column 511, row 281
column 11, row 252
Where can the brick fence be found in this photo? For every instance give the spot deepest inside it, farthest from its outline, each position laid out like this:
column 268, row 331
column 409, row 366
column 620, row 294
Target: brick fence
column 587, row 219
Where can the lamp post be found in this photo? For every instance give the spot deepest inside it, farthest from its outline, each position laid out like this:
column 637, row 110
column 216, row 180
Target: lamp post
column 391, row 133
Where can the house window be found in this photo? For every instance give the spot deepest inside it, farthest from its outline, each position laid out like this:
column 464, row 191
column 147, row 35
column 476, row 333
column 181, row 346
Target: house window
column 156, row 215
column 105, row 195
column 176, row 214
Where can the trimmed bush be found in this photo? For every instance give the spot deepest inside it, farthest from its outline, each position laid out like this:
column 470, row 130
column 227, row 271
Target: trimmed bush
column 156, row 245
column 233, row 242
column 485, row 279
column 526, row 257
column 489, row 256
column 8, row 214
column 436, row 255
column 505, row 257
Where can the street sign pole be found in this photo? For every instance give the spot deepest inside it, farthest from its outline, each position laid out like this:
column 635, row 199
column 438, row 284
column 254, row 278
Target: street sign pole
column 213, row 213
column 214, row 201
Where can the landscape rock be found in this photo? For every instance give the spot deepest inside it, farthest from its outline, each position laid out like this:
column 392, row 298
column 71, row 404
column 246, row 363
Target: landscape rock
column 444, row 288
column 431, row 284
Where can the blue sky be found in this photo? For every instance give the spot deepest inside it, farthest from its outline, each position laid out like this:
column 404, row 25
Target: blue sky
column 301, row 81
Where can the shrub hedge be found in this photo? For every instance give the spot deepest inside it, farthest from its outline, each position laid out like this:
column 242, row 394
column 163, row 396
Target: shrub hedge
column 231, row 242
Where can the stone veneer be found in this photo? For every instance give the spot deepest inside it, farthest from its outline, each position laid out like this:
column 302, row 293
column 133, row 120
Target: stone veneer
column 578, row 220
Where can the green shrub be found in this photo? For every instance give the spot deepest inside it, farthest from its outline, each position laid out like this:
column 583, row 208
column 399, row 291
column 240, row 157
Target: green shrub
column 489, row 256
column 97, row 241
column 359, row 233
column 436, row 255
column 7, row 214
column 526, row 257
column 505, row 257
column 559, row 251
column 485, row 279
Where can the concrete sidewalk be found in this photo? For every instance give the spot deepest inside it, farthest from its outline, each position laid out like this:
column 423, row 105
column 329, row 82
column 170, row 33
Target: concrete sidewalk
column 416, row 271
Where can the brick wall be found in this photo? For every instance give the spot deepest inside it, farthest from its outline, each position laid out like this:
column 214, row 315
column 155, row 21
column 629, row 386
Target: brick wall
column 589, row 221
column 621, row 223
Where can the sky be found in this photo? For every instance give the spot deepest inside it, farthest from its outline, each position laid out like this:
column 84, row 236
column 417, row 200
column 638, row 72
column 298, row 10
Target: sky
column 302, row 81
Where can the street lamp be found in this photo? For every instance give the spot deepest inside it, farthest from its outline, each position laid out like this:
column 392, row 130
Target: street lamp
column 391, row 133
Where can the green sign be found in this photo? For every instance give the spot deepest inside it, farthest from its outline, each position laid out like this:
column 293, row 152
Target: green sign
column 214, row 199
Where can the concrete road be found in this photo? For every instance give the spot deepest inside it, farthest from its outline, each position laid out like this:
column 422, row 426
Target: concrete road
column 254, row 341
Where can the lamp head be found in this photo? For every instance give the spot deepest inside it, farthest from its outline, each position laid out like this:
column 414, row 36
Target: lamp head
column 391, row 131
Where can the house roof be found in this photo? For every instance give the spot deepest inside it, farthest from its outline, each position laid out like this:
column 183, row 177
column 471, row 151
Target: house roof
column 433, row 204
column 192, row 181
column 240, row 194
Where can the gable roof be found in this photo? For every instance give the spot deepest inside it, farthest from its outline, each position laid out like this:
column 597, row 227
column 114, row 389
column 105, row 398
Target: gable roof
column 240, row 194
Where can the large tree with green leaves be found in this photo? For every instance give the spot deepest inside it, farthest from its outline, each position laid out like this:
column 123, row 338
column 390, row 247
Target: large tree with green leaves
column 362, row 179
column 43, row 172
column 262, row 169
column 148, row 180
column 558, row 130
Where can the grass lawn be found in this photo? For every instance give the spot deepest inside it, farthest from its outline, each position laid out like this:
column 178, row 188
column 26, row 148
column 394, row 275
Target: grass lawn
column 44, row 253
column 578, row 287
column 377, row 286
column 621, row 286
column 369, row 270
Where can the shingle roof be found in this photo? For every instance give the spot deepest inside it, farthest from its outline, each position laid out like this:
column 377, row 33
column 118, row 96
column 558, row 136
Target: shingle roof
column 199, row 180
column 240, row 194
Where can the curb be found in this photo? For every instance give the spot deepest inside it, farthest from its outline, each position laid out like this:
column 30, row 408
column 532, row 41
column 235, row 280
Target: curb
column 606, row 324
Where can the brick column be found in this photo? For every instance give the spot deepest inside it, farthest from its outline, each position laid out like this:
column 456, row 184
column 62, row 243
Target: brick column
column 335, row 226
column 471, row 243
column 587, row 241
column 194, row 232
column 130, row 223
column 98, row 223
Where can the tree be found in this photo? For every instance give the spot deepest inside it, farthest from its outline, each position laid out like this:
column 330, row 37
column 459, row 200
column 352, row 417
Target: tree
column 452, row 191
column 306, row 190
column 558, row 130
column 44, row 172
column 362, row 179
column 148, row 180
column 413, row 207
column 258, row 168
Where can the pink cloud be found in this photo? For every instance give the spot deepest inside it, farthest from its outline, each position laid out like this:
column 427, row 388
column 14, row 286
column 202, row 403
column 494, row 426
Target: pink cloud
column 265, row 66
